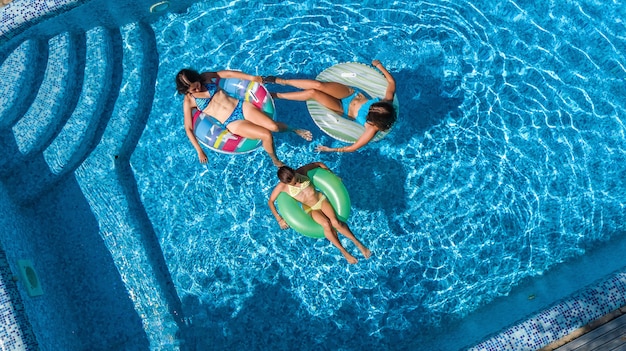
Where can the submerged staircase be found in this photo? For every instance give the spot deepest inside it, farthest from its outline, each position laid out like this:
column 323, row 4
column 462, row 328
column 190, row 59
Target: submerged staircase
column 75, row 105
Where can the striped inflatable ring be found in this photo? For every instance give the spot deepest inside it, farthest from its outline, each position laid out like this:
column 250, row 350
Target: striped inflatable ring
column 213, row 136
column 352, row 74
column 336, row 193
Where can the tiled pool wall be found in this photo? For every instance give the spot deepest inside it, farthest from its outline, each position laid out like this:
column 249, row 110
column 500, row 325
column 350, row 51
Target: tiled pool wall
column 562, row 318
column 15, row 15
column 16, row 332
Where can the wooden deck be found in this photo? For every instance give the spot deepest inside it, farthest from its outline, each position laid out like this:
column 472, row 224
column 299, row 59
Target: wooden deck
column 604, row 334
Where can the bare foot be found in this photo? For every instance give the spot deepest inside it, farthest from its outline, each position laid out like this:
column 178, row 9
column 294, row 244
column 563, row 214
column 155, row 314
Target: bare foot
column 351, row 259
column 365, row 251
column 304, row 134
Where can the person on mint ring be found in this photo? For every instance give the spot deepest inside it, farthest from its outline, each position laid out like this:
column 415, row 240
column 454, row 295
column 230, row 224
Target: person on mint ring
column 375, row 114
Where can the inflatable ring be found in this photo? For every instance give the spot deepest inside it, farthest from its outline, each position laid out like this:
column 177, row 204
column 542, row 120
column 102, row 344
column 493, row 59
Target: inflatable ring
column 217, row 138
column 336, row 193
column 356, row 75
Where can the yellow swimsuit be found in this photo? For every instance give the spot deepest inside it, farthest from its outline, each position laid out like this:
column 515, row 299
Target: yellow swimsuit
column 295, row 190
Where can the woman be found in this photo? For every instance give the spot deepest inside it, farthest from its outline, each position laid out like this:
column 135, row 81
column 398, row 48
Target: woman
column 374, row 114
column 297, row 185
column 239, row 117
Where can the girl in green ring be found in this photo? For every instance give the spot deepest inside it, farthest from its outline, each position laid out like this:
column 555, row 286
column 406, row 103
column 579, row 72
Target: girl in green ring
column 296, row 184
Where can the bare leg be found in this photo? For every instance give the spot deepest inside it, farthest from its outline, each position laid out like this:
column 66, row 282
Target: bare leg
column 343, row 228
column 258, row 117
column 250, row 130
column 331, row 235
column 334, row 89
column 328, row 94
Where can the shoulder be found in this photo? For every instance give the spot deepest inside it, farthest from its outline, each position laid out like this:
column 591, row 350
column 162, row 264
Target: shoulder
column 189, row 101
column 369, row 126
column 279, row 188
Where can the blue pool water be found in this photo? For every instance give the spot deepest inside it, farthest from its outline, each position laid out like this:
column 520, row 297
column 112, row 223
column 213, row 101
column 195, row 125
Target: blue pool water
column 507, row 160
column 506, row 165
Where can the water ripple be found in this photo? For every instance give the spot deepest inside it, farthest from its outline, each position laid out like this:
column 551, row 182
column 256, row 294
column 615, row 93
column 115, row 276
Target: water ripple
column 508, row 157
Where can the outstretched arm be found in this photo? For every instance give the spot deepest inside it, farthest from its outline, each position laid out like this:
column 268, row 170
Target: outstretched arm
column 368, row 134
column 270, row 203
column 208, row 77
column 391, row 82
column 310, row 166
column 239, row 75
column 188, row 105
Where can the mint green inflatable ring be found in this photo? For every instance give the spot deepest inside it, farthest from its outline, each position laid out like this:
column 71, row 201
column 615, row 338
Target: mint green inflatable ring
column 336, row 193
column 352, row 74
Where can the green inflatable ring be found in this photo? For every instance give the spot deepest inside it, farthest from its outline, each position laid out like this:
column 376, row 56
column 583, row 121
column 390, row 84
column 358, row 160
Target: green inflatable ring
column 336, row 193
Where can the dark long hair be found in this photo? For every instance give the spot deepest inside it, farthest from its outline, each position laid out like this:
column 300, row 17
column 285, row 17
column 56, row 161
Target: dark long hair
column 285, row 174
column 184, row 77
column 382, row 114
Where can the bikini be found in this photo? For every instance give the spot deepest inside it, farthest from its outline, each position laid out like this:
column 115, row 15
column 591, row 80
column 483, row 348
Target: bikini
column 361, row 116
column 293, row 191
column 202, row 103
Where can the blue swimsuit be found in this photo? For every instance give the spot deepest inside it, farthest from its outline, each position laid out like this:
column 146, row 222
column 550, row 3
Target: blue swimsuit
column 202, row 103
column 361, row 116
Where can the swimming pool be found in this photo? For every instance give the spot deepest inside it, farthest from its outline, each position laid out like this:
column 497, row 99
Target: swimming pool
column 505, row 166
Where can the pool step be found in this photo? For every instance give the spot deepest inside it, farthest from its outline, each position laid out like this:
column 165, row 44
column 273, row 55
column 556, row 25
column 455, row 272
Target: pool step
column 20, row 74
column 87, row 118
column 108, row 183
column 102, row 77
column 82, row 131
column 22, row 70
column 56, row 98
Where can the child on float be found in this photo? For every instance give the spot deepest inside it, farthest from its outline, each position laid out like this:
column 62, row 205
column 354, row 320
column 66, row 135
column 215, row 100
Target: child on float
column 296, row 184
column 375, row 114
column 239, row 117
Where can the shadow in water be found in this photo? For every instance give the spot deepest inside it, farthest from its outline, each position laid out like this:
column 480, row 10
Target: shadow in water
column 83, row 291
column 426, row 99
column 375, row 181
column 271, row 319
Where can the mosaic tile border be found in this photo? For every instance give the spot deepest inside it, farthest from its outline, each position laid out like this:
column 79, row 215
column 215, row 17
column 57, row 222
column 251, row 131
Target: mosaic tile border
column 561, row 319
column 16, row 13
column 15, row 331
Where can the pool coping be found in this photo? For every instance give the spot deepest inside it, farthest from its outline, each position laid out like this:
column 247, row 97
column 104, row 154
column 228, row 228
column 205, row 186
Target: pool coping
column 565, row 318
column 585, row 329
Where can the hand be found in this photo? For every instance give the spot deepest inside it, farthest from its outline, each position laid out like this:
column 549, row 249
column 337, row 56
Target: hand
column 283, row 224
column 322, row 148
column 377, row 63
column 202, row 157
column 257, row 79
